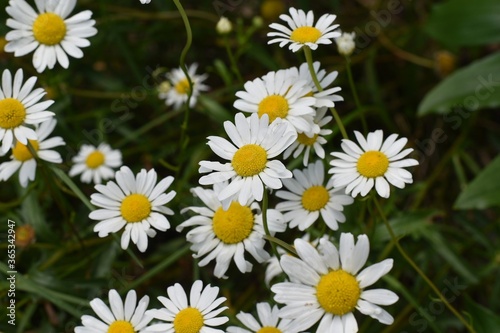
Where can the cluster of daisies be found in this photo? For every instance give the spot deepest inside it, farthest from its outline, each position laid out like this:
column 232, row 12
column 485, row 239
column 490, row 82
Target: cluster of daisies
column 284, row 116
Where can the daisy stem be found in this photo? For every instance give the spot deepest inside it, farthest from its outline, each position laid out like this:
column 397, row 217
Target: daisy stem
column 419, row 271
column 232, row 60
column 309, row 60
column 355, row 93
column 265, row 204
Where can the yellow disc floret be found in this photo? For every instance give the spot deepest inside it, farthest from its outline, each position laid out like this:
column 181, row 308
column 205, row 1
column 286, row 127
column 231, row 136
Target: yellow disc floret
column 182, row 87
column 275, row 106
column 305, row 140
column 233, row 225
column 49, row 29
column 268, row 329
column 95, row 159
column 135, row 208
column 338, row 292
column 373, row 164
column 12, row 113
column 188, row 320
column 315, row 198
column 22, row 153
column 305, row 35
column 249, row 160
column 121, row 326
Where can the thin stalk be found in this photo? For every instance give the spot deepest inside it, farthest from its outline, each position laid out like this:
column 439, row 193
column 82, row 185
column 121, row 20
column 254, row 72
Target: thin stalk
column 265, row 200
column 232, row 60
column 355, row 93
column 419, row 271
column 309, row 60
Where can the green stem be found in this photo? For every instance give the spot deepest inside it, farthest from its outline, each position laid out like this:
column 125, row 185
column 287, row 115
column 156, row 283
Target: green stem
column 265, row 200
column 309, row 60
column 232, row 60
column 355, row 93
column 419, row 271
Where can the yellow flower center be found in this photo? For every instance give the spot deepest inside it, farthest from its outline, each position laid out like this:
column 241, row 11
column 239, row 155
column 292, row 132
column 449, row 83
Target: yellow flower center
column 275, row 106
column 305, row 35
column 338, row 292
column 22, row 153
column 315, row 198
column 305, row 140
column 182, row 87
column 95, row 159
column 12, row 113
column 188, row 320
column 268, row 329
column 373, row 164
column 121, row 326
column 249, row 160
column 49, row 29
column 135, row 208
column 25, row 234
column 233, row 225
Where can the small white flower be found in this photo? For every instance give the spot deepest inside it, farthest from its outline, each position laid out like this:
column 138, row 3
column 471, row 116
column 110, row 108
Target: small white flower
column 134, row 202
column 346, row 43
column 197, row 315
column 119, row 317
column 145, row 1
column 22, row 158
column 96, row 163
column 301, row 30
column 178, row 94
column 373, row 162
column 331, row 284
column 49, row 32
column 224, row 26
column 255, row 144
column 20, row 106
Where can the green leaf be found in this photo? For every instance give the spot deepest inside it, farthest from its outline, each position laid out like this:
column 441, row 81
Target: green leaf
column 483, row 191
column 483, row 319
column 473, row 87
column 414, row 223
column 465, row 22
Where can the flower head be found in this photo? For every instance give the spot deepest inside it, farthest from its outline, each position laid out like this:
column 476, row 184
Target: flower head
column 179, row 90
column 50, row 32
column 134, row 202
column 198, row 315
column 301, row 30
column 95, row 163
column 119, row 317
column 20, row 106
column 327, row 285
column 145, row 1
column 372, row 162
column 255, row 144
column 268, row 321
column 224, row 26
column 346, row 43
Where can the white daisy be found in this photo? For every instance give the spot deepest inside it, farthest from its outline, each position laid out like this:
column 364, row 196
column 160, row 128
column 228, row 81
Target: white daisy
column 22, row 158
column 199, row 315
column 346, row 43
column 49, row 31
column 178, row 92
column 327, row 287
column 145, row 1
column 118, row 317
column 268, row 322
column 19, row 107
column 307, row 142
column 308, row 197
column 373, row 162
column 226, row 234
column 302, row 31
column 96, row 163
column 326, row 97
column 255, row 143
column 280, row 95
column 136, row 203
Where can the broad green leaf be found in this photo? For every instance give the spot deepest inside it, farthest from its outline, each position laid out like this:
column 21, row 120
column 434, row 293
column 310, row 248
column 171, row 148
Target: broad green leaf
column 483, row 319
column 465, row 22
column 471, row 88
column 483, row 191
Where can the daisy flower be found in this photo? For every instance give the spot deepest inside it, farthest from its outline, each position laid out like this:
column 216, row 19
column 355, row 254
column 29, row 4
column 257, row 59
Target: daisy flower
column 280, row 95
column 118, row 317
column 19, row 107
column 23, row 160
column 178, row 92
column 255, row 143
column 301, row 30
column 346, row 43
column 328, row 287
column 269, row 321
column 226, row 234
column 372, row 162
column 134, row 202
column 326, row 97
column 50, row 32
column 96, row 163
column 145, row 1
column 307, row 142
column 308, row 197
column 199, row 315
